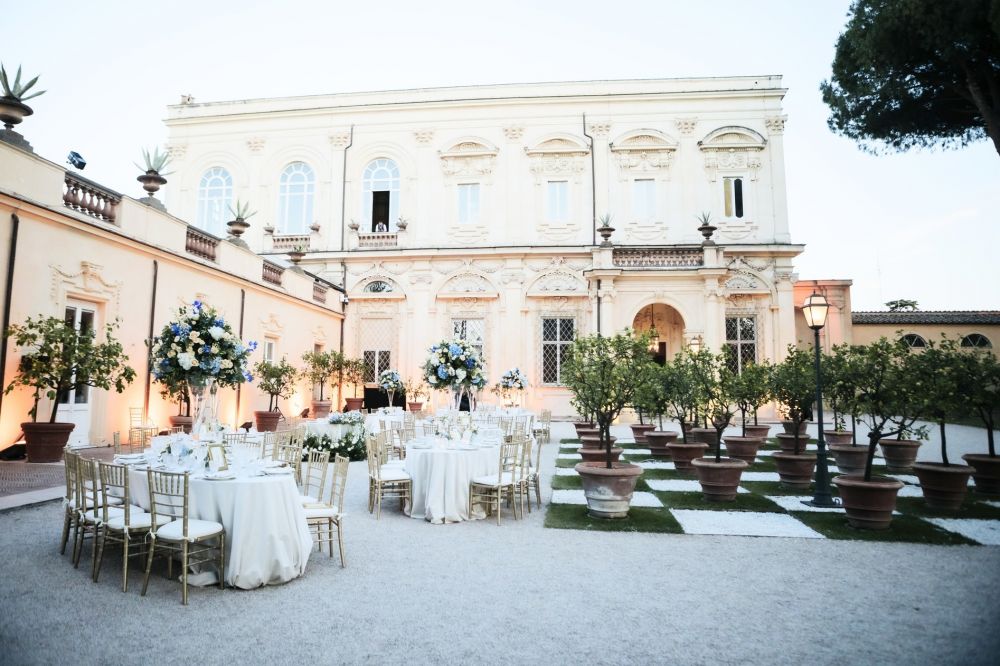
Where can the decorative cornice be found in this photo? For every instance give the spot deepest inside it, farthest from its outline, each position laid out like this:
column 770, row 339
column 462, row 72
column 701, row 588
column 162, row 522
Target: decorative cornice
column 775, row 124
column 423, row 136
column 256, row 143
column 339, row 139
column 513, row 132
column 686, row 125
column 600, row 129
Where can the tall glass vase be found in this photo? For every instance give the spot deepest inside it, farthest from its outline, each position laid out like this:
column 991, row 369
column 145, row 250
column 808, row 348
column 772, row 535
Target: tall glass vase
column 457, row 392
column 392, row 394
column 205, row 407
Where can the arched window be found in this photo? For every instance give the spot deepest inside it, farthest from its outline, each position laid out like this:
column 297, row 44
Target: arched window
column 295, row 198
column 381, row 200
column 976, row 341
column 378, row 287
column 914, row 341
column 215, row 195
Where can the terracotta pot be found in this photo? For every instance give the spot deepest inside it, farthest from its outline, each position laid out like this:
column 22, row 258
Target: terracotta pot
column 787, row 442
column 761, row 431
column 414, row 406
column 850, row 459
column 837, row 437
column 944, row 486
column 658, row 440
column 719, row 480
column 795, row 471
column 354, row 404
column 707, row 435
column 321, row 408
column 789, row 427
column 743, row 448
column 639, row 431
column 594, row 441
column 899, row 454
column 594, row 454
column 682, row 454
column 45, row 442
column 608, row 491
column 267, row 421
column 868, row 504
column 183, row 421
column 582, row 424
column 587, row 432
column 987, row 472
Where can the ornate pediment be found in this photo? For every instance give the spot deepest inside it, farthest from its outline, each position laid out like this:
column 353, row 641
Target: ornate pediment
column 644, row 150
column 563, row 144
column 469, row 157
column 466, row 285
column 732, row 148
column 558, row 283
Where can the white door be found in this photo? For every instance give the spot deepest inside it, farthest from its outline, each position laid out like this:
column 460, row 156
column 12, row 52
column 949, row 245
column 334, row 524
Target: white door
column 74, row 407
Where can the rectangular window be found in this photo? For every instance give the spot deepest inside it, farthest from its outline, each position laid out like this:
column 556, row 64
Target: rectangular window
column 732, row 192
column 270, row 347
column 741, row 342
column 644, row 199
column 376, row 362
column 468, row 203
column 557, row 334
column 472, row 331
column 557, row 201
column 80, row 319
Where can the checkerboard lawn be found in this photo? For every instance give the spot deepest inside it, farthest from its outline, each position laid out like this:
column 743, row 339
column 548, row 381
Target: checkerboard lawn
column 670, row 501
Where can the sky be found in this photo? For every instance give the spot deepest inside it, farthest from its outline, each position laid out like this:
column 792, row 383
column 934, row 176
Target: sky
column 920, row 225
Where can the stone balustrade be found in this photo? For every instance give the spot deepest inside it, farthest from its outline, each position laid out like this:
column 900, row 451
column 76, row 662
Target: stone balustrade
column 377, row 240
column 201, row 244
column 87, row 197
column 272, row 273
column 658, row 257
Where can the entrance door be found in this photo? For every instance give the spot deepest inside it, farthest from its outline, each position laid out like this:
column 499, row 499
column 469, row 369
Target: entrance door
column 74, row 406
column 380, row 211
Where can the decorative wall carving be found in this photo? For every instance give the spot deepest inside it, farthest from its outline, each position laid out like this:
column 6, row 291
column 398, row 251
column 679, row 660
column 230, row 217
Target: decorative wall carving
column 469, row 157
column 340, row 139
column 486, row 265
column 468, row 283
column 512, row 276
column 256, row 144
column 176, row 150
column 732, row 148
column 775, row 124
column 88, row 283
column 271, row 324
column 513, row 132
column 685, row 125
column 599, row 129
column 424, row 136
column 558, row 283
column 422, row 277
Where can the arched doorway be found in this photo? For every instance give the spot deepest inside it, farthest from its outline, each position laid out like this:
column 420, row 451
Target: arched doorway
column 667, row 326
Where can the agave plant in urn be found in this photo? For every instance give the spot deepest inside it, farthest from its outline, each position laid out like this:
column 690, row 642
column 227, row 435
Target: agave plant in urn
column 13, row 108
column 152, row 178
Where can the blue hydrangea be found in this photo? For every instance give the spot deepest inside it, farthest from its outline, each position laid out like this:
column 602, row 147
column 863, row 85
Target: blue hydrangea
column 454, row 349
column 252, row 345
column 442, row 372
column 247, row 376
column 175, row 329
column 197, row 306
column 220, row 322
column 470, row 363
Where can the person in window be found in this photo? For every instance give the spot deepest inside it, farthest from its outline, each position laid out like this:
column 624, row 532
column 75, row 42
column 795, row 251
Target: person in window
column 380, row 227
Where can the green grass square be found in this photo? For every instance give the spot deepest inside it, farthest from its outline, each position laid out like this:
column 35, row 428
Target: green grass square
column 908, row 529
column 696, row 500
column 639, row 519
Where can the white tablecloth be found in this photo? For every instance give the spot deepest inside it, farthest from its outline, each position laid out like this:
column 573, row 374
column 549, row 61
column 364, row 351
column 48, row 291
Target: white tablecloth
column 373, row 422
column 267, row 537
column 441, row 479
column 320, row 427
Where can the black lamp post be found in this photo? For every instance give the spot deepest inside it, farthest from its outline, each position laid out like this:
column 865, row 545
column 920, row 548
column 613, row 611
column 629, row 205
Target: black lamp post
column 815, row 310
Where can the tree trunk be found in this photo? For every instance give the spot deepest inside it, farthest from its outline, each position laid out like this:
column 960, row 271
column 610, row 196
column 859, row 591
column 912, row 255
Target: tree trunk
column 991, row 115
column 944, row 445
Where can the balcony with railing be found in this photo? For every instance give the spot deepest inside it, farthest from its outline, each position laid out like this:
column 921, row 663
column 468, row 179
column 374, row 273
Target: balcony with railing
column 291, row 242
column 319, row 292
column 272, row 273
column 90, row 198
column 658, row 257
column 377, row 240
column 201, row 244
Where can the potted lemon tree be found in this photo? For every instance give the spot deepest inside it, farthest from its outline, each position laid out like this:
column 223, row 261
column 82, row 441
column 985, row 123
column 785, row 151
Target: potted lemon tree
column 793, row 385
column 277, row 380
column 719, row 477
column 683, row 395
column 980, row 384
column 751, row 389
column 58, row 359
column 320, row 367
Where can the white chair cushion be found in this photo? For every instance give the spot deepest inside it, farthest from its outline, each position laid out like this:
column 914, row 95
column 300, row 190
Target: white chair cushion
column 322, row 511
column 97, row 515
column 394, row 474
column 306, row 499
column 394, row 463
column 196, row 529
column 138, row 520
column 112, row 501
column 491, row 480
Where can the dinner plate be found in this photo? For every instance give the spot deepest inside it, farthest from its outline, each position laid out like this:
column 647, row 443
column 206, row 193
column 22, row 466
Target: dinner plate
column 219, row 477
column 278, row 471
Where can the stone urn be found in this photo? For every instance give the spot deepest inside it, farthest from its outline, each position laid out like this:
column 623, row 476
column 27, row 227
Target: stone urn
column 987, row 472
column 659, row 441
column 267, row 421
column 12, row 112
column 850, row 459
column 44, row 442
column 151, row 181
column 743, row 448
column 899, row 454
column 789, row 427
column 795, row 471
column 321, row 408
column 295, row 256
column 868, row 504
column 709, row 436
column 608, row 491
column 786, row 442
column 719, row 481
column 761, row 431
column 833, row 437
column 592, row 450
column 944, row 486
column 639, row 431
column 682, row 454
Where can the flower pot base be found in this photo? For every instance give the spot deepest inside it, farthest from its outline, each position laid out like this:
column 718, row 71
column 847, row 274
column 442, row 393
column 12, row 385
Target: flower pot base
column 608, row 491
column 795, row 471
column 849, row 459
column 44, row 442
column 899, row 454
column 267, row 421
column 720, row 481
column 321, row 408
column 683, row 454
column 639, row 431
column 868, row 504
column 354, row 404
column 944, row 486
column 588, row 454
column 658, row 442
column 743, row 448
column 986, row 474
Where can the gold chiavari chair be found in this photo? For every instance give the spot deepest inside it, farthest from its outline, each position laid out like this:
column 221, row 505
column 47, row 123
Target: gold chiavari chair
column 324, row 517
column 131, row 527
column 490, row 490
column 385, row 480
column 235, row 438
column 291, row 455
column 92, row 512
column 280, row 438
column 176, row 430
column 169, row 494
column 268, row 445
column 533, row 471
column 543, row 429
column 70, row 514
column 314, row 476
column 140, row 429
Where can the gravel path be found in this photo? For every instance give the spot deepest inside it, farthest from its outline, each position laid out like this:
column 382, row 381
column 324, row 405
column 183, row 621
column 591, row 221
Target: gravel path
column 476, row 593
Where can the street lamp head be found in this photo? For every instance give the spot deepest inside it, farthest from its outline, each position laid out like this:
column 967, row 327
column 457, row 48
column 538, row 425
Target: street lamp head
column 695, row 344
column 815, row 309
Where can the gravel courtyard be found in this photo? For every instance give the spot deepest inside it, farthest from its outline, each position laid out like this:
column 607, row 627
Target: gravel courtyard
column 475, row 593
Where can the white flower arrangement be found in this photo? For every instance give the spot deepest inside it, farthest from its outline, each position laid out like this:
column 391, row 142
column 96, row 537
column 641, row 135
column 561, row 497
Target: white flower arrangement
column 346, row 418
column 454, row 364
column 390, row 381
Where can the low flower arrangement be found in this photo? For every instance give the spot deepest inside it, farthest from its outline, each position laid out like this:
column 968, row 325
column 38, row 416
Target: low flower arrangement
column 352, row 444
column 454, row 364
column 512, row 381
column 198, row 345
column 346, row 418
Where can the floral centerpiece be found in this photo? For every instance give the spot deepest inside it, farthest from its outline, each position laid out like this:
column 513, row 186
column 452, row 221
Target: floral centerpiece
column 346, row 418
column 390, row 382
column 454, row 365
column 349, row 441
column 199, row 349
column 511, row 382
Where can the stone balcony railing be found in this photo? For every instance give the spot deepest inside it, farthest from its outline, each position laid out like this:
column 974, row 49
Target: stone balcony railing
column 272, row 273
column 377, row 240
column 658, row 257
column 319, row 292
column 90, row 198
column 201, row 244
column 291, row 242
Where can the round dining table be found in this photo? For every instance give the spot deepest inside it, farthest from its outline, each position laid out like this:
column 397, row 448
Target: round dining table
column 441, row 471
column 267, row 537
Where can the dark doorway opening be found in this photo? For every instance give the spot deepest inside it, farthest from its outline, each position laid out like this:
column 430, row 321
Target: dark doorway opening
column 380, row 211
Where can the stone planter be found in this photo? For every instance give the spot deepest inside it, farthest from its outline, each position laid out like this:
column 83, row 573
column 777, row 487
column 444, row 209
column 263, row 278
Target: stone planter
column 787, row 442
column 321, row 408
column 587, row 432
column 761, row 431
column 414, row 406
column 742, row 448
column 719, row 480
column 899, row 454
column 789, row 427
column 182, row 421
column 594, row 441
column 267, row 421
column 944, row 486
column 707, row 435
column 987, row 472
column 608, row 491
column 868, row 504
column 599, row 455
column 45, row 442
column 850, row 459
column 659, row 441
column 639, row 431
column 795, row 471
column 577, row 425
column 837, row 437
column 682, row 454
column 12, row 112
column 151, row 181
column 354, row 404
